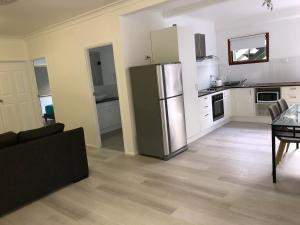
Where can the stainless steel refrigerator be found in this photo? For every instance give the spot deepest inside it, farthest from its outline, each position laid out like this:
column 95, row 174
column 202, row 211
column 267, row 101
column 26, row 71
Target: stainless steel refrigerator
column 159, row 109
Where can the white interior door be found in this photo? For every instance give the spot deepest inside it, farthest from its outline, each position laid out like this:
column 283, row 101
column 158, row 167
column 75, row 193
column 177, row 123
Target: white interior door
column 17, row 109
column 2, row 129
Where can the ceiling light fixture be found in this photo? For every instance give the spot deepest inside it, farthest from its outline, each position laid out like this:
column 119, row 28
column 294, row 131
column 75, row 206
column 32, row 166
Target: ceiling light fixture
column 7, row 2
column 269, row 4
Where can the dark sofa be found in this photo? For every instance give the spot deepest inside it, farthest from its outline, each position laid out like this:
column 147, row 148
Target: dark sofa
column 39, row 162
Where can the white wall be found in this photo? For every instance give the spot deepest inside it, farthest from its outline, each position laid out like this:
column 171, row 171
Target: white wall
column 96, row 69
column 65, row 48
column 13, row 49
column 136, row 30
column 108, row 65
column 284, row 63
column 136, row 40
column 41, row 76
column 205, row 68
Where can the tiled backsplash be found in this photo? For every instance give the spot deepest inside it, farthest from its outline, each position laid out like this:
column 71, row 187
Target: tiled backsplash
column 277, row 70
column 204, row 70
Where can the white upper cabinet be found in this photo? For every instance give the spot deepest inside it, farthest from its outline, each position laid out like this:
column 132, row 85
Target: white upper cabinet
column 243, row 102
column 165, row 45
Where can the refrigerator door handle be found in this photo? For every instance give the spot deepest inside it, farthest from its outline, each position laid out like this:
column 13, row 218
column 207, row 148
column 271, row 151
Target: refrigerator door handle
column 165, row 129
column 160, row 81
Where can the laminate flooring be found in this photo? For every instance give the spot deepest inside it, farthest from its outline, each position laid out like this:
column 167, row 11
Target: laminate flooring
column 223, row 179
column 113, row 140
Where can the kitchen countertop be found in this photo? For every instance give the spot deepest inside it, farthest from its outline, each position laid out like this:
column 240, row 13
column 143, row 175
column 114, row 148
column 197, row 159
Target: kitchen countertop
column 110, row 99
column 257, row 85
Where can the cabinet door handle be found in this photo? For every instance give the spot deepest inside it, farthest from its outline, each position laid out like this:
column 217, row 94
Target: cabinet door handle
column 293, row 97
column 206, row 115
column 292, row 88
column 206, row 106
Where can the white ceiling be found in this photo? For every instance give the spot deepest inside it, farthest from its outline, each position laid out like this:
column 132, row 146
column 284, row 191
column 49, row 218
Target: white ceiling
column 230, row 13
column 27, row 16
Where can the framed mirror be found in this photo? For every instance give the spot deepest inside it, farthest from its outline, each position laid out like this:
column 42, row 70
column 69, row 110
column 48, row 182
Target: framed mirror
column 248, row 49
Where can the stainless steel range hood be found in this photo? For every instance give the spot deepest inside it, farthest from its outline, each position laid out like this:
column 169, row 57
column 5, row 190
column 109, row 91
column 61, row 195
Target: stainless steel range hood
column 200, row 47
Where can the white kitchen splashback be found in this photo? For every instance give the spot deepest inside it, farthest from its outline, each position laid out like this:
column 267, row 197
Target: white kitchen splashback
column 204, row 70
column 276, row 71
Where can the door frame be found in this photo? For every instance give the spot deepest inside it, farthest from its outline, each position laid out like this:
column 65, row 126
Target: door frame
column 36, row 94
column 92, row 90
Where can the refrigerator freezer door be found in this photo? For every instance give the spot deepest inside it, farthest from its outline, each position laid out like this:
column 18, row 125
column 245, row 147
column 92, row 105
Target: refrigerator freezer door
column 169, row 80
column 176, row 123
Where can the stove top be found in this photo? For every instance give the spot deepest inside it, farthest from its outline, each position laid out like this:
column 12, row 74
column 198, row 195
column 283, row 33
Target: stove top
column 210, row 90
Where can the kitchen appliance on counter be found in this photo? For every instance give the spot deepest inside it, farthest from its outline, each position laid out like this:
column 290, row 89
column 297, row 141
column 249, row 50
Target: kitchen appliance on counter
column 217, row 106
column 159, row 109
column 267, row 95
column 218, row 83
column 214, row 82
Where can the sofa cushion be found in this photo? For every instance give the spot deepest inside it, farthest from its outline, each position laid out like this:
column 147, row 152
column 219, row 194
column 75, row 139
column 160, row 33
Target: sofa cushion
column 8, row 139
column 30, row 135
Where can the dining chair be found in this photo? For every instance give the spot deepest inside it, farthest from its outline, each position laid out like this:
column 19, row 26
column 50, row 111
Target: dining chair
column 282, row 105
column 284, row 141
column 275, row 113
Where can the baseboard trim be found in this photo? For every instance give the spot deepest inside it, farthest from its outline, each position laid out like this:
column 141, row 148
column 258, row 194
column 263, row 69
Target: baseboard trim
column 207, row 130
column 92, row 146
column 252, row 119
column 193, row 138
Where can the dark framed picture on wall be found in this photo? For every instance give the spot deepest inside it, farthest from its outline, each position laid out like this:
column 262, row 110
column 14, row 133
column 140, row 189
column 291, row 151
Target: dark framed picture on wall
column 249, row 49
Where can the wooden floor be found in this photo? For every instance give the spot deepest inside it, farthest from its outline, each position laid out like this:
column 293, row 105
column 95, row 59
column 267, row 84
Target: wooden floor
column 113, row 140
column 223, row 179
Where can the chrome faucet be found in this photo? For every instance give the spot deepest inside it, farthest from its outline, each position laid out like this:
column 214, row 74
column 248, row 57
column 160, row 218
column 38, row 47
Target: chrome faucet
column 243, row 82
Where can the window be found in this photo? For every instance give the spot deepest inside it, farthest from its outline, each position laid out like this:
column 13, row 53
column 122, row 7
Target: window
column 248, row 49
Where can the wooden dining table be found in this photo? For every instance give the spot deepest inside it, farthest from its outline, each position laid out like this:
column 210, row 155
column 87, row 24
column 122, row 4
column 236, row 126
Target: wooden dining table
column 286, row 126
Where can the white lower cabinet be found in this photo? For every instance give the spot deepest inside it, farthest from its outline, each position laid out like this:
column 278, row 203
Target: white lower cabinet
column 109, row 116
column 291, row 94
column 206, row 115
column 206, row 120
column 227, row 104
column 243, row 102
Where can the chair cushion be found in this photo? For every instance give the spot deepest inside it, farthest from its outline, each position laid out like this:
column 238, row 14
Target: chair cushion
column 30, row 135
column 8, row 139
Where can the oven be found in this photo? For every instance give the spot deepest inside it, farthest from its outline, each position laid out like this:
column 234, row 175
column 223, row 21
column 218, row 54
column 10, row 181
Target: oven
column 217, row 106
column 267, row 95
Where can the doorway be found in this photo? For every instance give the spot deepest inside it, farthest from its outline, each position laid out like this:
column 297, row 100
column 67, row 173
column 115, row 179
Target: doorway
column 44, row 91
column 106, row 96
